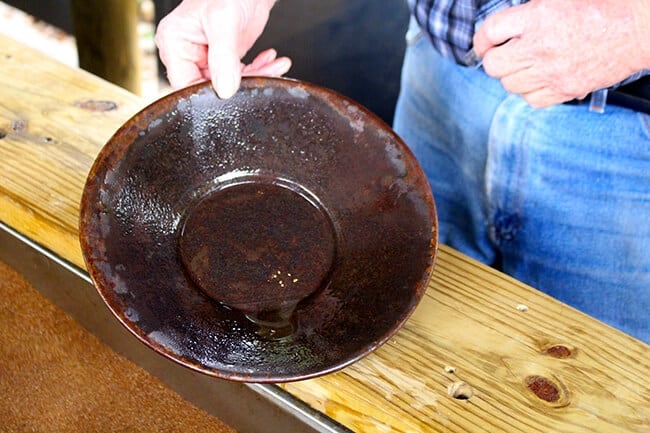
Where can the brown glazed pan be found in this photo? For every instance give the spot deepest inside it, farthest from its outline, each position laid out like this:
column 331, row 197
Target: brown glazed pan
column 278, row 235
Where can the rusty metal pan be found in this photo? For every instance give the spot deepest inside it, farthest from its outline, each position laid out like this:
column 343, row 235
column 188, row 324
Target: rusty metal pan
column 278, row 235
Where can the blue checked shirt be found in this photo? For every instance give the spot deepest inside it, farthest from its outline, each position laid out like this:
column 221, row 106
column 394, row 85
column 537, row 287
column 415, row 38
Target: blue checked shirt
column 450, row 24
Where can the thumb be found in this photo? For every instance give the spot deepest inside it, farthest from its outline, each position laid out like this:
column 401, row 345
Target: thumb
column 498, row 28
column 223, row 58
column 225, row 68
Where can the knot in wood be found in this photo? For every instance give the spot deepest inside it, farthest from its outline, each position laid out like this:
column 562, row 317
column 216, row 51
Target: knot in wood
column 543, row 388
column 559, row 351
column 96, row 105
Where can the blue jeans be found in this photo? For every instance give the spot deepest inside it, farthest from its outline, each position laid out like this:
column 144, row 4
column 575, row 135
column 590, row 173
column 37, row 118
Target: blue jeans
column 559, row 197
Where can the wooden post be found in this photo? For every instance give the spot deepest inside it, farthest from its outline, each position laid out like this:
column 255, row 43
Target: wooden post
column 107, row 40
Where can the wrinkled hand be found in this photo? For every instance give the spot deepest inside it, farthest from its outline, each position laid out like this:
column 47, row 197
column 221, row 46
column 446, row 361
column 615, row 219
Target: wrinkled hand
column 552, row 51
column 206, row 40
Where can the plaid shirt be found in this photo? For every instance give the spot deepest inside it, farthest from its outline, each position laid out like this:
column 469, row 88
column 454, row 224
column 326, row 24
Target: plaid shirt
column 450, row 24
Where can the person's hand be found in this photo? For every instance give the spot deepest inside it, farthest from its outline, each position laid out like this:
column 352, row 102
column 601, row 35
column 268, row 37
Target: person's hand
column 206, row 40
column 552, row 51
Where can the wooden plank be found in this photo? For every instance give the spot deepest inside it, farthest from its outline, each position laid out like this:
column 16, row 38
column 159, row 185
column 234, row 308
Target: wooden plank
column 502, row 338
column 480, row 327
column 50, row 141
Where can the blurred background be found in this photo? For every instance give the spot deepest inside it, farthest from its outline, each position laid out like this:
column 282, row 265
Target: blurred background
column 352, row 46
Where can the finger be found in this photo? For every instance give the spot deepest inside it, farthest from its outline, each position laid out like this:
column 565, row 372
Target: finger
column 223, row 58
column 276, row 68
column 205, row 73
column 179, row 52
column 183, row 72
column 225, row 71
column 263, row 58
column 544, row 97
column 506, row 59
column 182, row 59
column 522, row 82
column 498, row 28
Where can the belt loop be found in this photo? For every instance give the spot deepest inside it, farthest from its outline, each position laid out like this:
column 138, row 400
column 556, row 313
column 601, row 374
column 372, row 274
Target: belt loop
column 598, row 101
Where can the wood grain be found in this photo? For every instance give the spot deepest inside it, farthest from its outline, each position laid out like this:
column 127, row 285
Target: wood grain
column 532, row 363
column 471, row 327
column 50, row 142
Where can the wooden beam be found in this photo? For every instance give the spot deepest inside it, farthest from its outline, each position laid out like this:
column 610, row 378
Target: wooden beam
column 107, row 40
